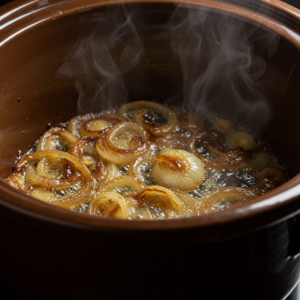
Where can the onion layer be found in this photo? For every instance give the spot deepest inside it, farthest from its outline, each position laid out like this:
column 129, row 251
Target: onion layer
column 178, row 169
column 243, row 140
column 138, row 143
column 224, row 198
column 189, row 202
column 269, row 179
column 46, row 141
column 74, row 199
column 222, row 125
column 135, row 166
column 109, row 204
column 140, row 109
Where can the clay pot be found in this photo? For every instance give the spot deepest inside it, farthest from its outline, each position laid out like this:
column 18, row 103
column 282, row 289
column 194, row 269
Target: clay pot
column 249, row 252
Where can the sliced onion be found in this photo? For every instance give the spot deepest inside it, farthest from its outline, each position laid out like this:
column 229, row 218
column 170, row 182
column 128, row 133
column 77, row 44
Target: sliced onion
column 45, row 143
column 178, row 169
column 125, row 185
column 135, row 166
column 269, row 179
column 243, row 140
column 227, row 160
column 189, row 202
column 224, row 198
column 222, row 125
column 87, row 125
column 74, row 199
column 141, row 107
column 102, row 171
column 43, row 193
column 44, row 168
column 138, row 146
column 136, row 212
column 159, row 198
column 109, row 204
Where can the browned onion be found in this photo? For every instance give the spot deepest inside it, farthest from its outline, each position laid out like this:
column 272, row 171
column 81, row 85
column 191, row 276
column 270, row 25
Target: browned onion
column 125, row 152
column 225, row 160
column 45, row 143
column 140, row 108
column 188, row 201
column 269, row 179
column 133, row 169
column 242, row 139
column 72, row 200
column 83, row 125
column 235, row 195
column 108, row 204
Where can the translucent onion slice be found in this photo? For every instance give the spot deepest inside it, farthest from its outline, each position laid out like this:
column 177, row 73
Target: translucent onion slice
column 243, row 140
column 42, row 193
column 269, row 179
column 157, row 197
column 45, row 143
column 138, row 144
column 110, row 205
column 141, row 107
column 227, row 160
column 178, row 169
column 74, row 199
column 189, row 202
column 222, row 125
column 224, row 198
column 125, row 185
column 50, row 169
column 190, row 122
column 136, row 212
column 101, row 170
column 139, row 165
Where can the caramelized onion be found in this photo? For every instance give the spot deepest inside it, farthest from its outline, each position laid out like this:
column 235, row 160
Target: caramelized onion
column 178, row 169
column 227, row 160
column 224, row 198
column 140, row 109
column 42, row 193
column 92, row 125
column 188, row 201
column 125, row 185
column 242, row 139
column 72, row 200
column 108, row 204
column 125, row 152
column 269, row 179
column 190, row 122
column 46, row 141
column 222, row 125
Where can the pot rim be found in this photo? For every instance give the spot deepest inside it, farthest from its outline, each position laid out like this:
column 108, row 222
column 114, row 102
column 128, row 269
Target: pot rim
column 12, row 12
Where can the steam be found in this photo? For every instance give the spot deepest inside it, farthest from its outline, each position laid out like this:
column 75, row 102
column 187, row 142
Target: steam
column 220, row 70
column 108, row 46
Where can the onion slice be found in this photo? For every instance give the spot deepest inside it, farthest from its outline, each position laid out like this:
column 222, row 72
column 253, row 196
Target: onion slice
column 190, row 122
column 189, row 202
column 135, row 166
column 140, row 109
column 108, row 204
column 242, row 139
column 269, row 179
column 225, row 197
column 178, row 169
column 93, row 125
column 222, row 125
column 45, row 143
column 124, row 152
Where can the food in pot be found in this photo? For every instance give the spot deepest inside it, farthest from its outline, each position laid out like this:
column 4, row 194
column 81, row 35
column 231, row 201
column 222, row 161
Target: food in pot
column 148, row 161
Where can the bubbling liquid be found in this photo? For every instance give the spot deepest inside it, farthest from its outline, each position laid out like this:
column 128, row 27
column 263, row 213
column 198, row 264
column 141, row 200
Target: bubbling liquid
column 146, row 161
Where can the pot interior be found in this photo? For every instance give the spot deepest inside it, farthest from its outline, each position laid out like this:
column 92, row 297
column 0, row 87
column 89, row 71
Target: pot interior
column 158, row 56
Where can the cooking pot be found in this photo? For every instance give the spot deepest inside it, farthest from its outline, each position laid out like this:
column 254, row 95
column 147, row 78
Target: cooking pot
column 249, row 252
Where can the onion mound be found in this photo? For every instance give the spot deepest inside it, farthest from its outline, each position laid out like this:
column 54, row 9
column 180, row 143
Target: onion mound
column 140, row 109
column 178, row 169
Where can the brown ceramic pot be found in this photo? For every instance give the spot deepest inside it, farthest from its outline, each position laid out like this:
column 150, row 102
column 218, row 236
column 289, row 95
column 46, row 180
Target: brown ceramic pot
column 250, row 252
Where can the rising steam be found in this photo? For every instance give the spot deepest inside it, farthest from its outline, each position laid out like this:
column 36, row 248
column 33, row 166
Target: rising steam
column 221, row 72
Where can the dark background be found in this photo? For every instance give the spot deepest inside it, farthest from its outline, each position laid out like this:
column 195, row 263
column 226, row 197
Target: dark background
column 5, row 294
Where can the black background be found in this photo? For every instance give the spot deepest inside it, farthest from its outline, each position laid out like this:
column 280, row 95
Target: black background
column 5, row 294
